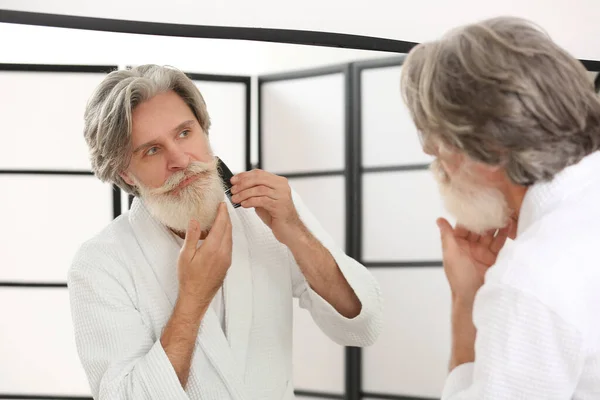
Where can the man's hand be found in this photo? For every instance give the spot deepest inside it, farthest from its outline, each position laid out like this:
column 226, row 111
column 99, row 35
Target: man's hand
column 467, row 256
column 271, row 196
column 202, row 270
column 201, row 273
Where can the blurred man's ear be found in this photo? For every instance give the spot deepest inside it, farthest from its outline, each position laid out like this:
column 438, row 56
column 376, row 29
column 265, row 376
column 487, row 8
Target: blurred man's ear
column 126, row 178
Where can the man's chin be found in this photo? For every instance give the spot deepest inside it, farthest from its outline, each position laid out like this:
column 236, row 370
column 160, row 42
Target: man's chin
column 176, row 211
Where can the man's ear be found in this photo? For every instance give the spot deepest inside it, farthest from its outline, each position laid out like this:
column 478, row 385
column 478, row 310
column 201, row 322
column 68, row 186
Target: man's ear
column 126, row 178
column 492, row 173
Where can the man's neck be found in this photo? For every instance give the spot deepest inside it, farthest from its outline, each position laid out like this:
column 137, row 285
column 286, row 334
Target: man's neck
column 515, row 194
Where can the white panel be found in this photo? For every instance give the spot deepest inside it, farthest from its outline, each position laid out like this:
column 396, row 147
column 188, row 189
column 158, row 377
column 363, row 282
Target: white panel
column 51, row 215
column 399, row 216
column 411, row 355
column 38, row 346
column 303, row 124
column 325, row 198
column 318, row 361
column 389, row 136
column 226, row 104
column 42, row 119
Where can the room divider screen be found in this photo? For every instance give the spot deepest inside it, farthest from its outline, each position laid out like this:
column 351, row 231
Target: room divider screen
column 51, row 202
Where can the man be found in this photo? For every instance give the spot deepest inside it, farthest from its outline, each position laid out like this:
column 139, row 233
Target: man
column 514, row 124
column 185, row 296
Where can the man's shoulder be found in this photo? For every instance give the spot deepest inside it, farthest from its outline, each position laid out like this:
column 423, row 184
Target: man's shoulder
column 557, row 267
column 105, row 247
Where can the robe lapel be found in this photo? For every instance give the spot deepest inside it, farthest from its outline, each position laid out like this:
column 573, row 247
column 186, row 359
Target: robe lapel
column 238, row 291
column 228, row 355
column 159, row 247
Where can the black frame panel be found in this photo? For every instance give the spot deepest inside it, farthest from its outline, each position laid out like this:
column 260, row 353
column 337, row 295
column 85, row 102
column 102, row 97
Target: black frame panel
column 116, row 195
column 352, row 355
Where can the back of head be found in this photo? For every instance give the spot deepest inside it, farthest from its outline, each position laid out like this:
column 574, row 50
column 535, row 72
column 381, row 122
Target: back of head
column 108, row 115
column 503, row 93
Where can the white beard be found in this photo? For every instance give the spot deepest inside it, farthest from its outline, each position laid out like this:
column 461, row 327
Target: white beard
column 476, row 207
column 198, row 200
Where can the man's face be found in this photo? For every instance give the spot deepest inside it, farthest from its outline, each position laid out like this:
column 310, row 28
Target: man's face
column 470, row 191
column 172, row 163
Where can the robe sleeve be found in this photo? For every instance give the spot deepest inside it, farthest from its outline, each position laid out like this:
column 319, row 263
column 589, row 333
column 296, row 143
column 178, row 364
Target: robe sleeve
column 360, row 331
column 121, row 359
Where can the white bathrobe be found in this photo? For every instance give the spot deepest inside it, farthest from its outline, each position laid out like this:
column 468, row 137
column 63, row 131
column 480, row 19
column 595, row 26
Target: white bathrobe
column 123, row 285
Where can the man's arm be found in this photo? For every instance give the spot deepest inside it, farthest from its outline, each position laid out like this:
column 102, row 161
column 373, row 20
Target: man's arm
column 201, row 273
column 463, row 332
column 322, row 273
column 120, row 356
column 271, row 196
column 179, row 336
column 117, row 351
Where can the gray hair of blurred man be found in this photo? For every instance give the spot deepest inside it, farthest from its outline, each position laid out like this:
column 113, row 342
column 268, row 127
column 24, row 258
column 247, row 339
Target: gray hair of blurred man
column 503, row 93
column 108, row 115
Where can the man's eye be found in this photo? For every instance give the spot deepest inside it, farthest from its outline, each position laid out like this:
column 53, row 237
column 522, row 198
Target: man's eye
column 151, row 151
column 184, row 133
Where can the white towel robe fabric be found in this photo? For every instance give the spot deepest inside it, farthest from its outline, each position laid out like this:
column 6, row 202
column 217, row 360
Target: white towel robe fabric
column 123, row 286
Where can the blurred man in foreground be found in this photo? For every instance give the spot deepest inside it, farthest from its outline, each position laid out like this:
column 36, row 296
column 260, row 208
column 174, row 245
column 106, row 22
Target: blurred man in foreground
column 514, row 124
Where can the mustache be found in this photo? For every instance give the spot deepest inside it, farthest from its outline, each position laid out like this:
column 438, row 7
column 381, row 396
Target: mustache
column 195, row 168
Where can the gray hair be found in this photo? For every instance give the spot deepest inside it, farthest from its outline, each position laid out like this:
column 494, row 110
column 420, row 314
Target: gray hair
column 503, row 93
column 108, row 115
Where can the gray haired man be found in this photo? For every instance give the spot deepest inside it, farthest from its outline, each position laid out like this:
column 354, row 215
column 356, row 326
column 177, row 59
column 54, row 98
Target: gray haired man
column 514, row 124
column 185, row 296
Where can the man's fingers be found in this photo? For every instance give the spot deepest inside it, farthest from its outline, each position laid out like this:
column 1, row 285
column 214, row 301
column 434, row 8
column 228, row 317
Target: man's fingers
column 226, row 240
column 487, row 238
column 259, row 202
column 218, row 229
column 245, row 180
column 446, row 232
column 192, row 235
column 482, row 254
column 473, row 237
column 500, row 239
column 461, row 232
column 255, row 191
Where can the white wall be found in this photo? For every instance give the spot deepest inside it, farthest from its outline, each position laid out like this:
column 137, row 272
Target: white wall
column 573, row 23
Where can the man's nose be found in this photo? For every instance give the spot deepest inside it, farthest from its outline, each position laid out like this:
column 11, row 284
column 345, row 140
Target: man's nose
column 178, row 159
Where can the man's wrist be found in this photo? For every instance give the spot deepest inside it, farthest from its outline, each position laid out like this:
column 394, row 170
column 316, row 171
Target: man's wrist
column 297, row 235
column 193, row 304
column 463, row 331
column 463, row 301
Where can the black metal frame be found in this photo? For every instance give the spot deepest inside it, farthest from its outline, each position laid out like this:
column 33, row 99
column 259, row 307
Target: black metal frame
column 291, row 36
column 357, row 69
column 116, row 193
column 246, row 80
column 352, row 355
column 43, row 397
